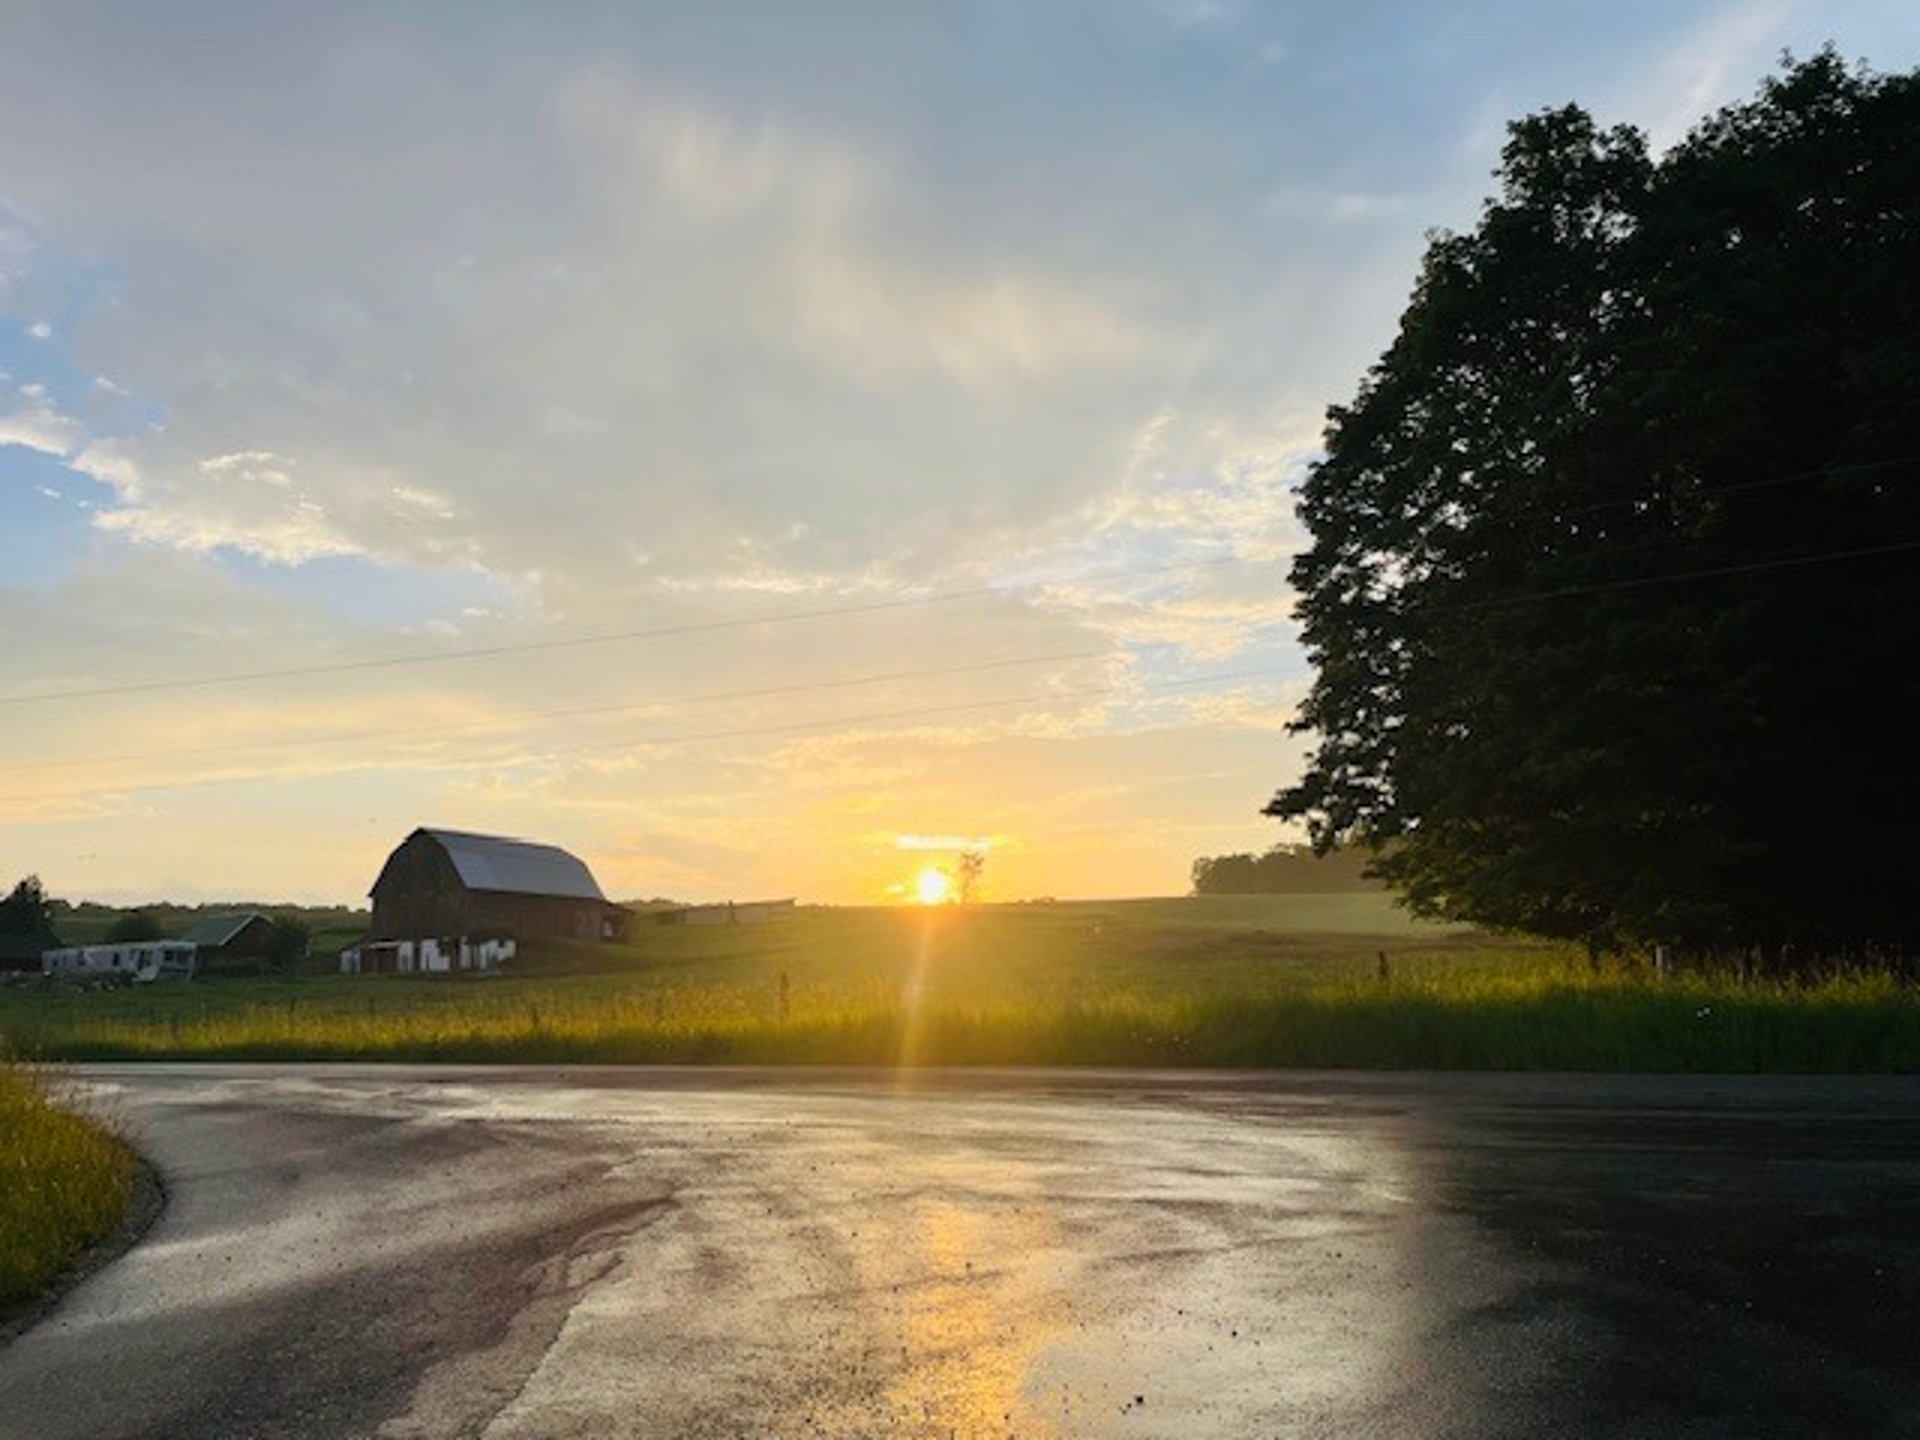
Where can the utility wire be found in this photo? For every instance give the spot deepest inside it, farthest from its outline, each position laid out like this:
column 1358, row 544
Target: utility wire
column 571, row 642
column 752, row 731
column 1789, row 562
column 748, row 622
column 522, row 722
column 1600, row 587
column 438, row 731
column 1709, row 491
column 1714, row 492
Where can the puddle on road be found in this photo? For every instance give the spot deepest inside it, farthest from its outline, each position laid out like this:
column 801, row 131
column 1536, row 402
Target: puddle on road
column 952, row 1266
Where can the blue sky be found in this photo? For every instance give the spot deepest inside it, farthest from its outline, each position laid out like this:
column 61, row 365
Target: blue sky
column 361, row 333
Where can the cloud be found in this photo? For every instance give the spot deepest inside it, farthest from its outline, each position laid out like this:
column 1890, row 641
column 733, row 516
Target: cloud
column 817, row 208
column 109, row 462
column 245, row 501
column 1707, row 65
column 40, row 425
column 1338, row 207
column 725, row 325
column 40, row 330
column 1202, row 14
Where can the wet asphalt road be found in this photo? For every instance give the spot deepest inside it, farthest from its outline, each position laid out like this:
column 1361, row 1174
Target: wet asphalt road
column 414, row 1252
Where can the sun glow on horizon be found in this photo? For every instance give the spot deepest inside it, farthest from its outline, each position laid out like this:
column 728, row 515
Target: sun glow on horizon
column 933, row 886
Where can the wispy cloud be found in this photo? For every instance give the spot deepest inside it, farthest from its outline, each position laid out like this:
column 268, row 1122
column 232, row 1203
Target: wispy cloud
column 36, row 423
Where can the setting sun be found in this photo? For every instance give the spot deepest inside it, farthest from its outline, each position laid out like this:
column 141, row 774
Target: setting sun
column 933, row 886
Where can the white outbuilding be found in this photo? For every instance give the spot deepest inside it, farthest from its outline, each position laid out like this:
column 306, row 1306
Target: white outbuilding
column 138, row 962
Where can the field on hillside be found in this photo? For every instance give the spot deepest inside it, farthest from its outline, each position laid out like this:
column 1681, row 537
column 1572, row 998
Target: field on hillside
column 1280, row 980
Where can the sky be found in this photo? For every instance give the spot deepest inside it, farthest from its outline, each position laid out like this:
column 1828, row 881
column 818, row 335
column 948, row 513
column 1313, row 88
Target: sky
column 739, row 443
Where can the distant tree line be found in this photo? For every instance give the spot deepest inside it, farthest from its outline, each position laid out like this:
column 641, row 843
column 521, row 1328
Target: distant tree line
column 1283, row 870
column 31, row 921
column 1613, row 595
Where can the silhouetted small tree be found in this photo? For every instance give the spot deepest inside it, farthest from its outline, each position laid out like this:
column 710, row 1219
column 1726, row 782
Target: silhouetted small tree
column 26, row 910
column 967, row 871
column 134, row 926
column 288, row 944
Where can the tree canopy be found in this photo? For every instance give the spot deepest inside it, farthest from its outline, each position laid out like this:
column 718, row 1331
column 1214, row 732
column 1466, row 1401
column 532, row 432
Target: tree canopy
column 1614, row 586
column 1283, row 870
column 288, row 943
column 135, row 925
column 25, row 910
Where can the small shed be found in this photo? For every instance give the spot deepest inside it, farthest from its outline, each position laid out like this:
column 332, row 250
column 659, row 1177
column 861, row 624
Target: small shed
column 728, row 912
column 237, row 940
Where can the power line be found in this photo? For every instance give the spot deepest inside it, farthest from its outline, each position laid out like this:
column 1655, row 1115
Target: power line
column 572, row 642
column 1600, row 587
column 1794, row 477
column 522, row 722
column 753, row 731
column 1714, row 492
column 1789, row 562
column 1744, row 487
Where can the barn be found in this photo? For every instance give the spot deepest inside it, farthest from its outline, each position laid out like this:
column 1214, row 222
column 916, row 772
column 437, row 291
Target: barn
column 451, row 882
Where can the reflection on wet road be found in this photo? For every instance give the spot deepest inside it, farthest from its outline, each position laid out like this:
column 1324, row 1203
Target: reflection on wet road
column 412, row 1252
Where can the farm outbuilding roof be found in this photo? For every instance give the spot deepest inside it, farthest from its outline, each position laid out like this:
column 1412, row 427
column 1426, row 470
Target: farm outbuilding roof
column 213, row 931
column 518, row 867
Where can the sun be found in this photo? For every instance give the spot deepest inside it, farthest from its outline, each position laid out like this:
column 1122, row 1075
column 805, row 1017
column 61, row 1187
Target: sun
column 932, row 886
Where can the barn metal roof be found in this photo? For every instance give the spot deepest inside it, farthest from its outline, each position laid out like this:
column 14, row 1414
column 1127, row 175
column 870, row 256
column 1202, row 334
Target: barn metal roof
column 216, row 930
column 520, row 867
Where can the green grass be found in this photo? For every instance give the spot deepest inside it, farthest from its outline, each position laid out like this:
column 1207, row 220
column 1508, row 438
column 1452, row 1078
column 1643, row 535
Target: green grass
column 1237, row 981
column 64, row 1183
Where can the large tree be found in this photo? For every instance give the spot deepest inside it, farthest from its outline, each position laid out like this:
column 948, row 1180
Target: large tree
column 1614, row 589
column 26, row 925
column 25, row 910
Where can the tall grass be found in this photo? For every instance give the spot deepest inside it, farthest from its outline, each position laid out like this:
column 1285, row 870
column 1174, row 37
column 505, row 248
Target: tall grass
column 64, row 1183
column 1239, row 981
column 1540, row 1017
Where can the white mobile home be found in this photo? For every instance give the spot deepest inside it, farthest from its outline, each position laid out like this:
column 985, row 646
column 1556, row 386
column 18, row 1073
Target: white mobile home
column 138, row 962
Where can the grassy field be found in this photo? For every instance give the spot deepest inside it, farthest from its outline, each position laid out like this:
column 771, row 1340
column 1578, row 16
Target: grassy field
column 1236, row 981
column 64, row 1183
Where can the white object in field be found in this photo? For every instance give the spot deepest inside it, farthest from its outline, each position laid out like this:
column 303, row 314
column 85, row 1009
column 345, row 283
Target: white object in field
column 140, row 961
column 432, row 955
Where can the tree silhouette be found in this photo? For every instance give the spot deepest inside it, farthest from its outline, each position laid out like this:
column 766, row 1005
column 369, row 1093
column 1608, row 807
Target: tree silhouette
column 135, row 925
column 1613, row 592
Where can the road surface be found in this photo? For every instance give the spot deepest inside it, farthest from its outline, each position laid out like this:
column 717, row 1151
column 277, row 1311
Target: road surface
column 415, row 1252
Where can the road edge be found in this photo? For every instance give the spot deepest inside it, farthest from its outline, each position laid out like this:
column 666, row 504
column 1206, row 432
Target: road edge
column 145, row 1204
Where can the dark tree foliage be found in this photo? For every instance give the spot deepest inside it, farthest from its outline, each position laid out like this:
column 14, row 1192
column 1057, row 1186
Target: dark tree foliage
column 135, row 925
column 288, row 944
column 1283, row 870
column 1614, row 634
column 26, row 909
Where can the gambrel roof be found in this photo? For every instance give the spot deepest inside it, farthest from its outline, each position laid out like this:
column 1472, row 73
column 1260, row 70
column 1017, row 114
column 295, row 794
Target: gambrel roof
column 518, row 867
